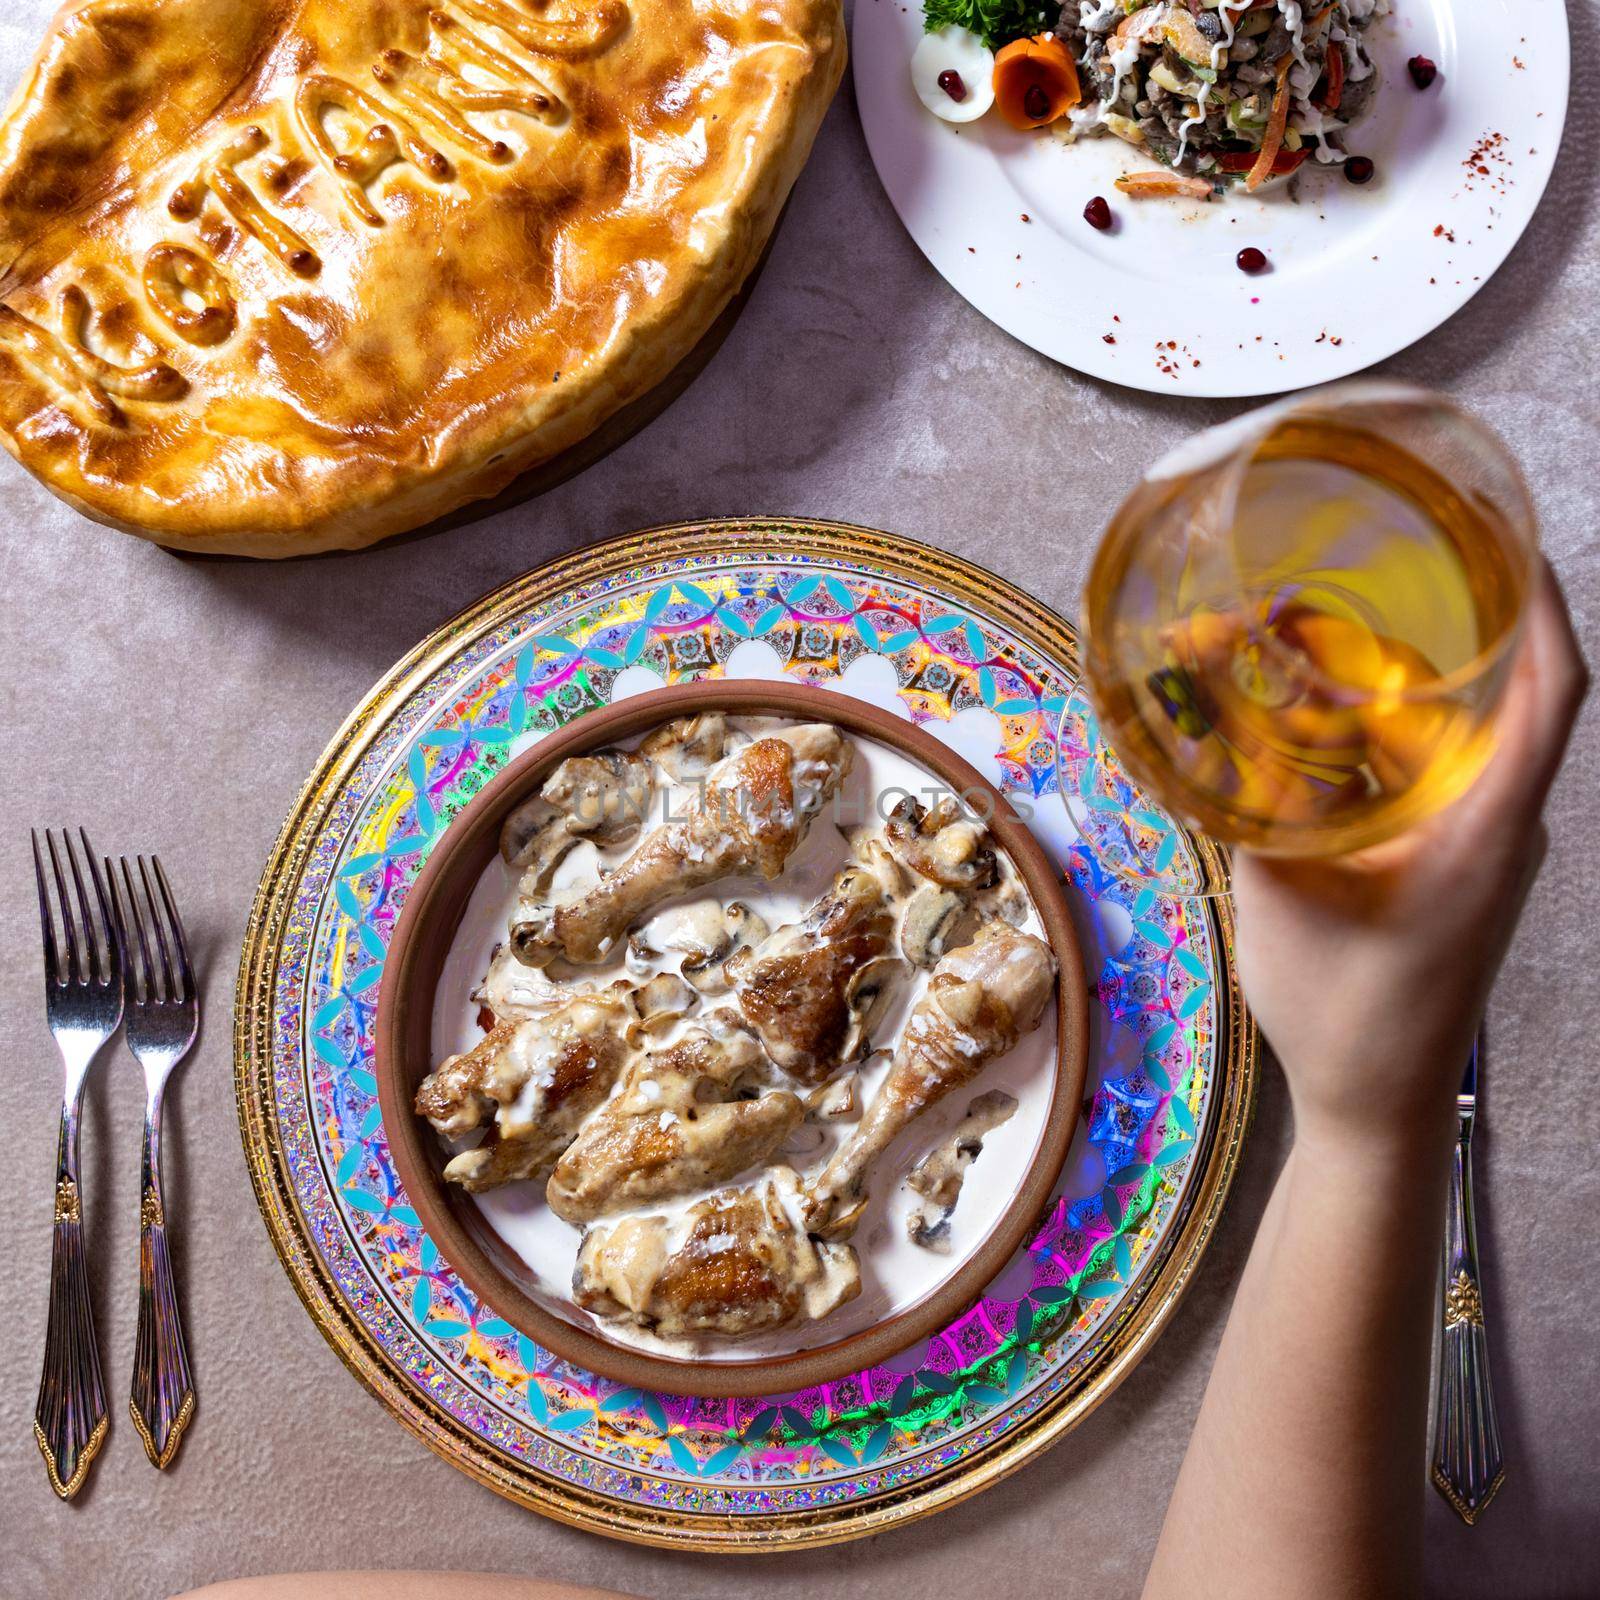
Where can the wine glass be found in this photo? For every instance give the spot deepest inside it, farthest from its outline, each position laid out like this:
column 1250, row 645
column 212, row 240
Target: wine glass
column 1297, row 634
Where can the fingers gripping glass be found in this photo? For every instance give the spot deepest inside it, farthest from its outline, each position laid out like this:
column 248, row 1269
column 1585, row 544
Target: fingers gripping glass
column 1297, row 633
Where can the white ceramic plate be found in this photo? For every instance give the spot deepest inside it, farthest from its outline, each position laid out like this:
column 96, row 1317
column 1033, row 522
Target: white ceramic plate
column 1355, row 273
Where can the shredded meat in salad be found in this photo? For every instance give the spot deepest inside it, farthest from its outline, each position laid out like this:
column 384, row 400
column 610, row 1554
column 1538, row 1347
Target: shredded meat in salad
column 1227, row 90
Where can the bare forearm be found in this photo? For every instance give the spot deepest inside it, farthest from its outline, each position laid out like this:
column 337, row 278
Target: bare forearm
column 1305, row 1474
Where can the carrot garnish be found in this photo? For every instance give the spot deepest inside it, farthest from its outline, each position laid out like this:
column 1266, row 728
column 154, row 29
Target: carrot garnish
column 1150, row 185
column 1277, row 124
column 1242, row 160
column 1332, row 85
column 1035, row 81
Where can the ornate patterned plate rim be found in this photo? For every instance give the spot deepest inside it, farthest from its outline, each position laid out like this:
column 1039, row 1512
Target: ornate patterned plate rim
column 1144, row 1313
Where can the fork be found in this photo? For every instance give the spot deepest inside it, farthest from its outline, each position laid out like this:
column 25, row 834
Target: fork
column 162, row 1018
column 83, row 1006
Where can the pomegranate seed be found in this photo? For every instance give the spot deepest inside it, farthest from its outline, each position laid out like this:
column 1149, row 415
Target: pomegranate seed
column 1250, row 259
column 1359, row 169
column 1097, row 214
column 1035, row 103
column 950, row 81
column 1422, row 70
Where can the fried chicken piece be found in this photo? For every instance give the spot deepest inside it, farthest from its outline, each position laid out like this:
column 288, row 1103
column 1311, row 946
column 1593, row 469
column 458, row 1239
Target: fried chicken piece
column 811, row 989
column 738, row 1264
column 674, row 1127
column 536, row 1079
column 980, row 1000
column 751, row 815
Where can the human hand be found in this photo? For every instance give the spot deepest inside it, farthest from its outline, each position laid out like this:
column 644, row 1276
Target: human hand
column 1369, row 973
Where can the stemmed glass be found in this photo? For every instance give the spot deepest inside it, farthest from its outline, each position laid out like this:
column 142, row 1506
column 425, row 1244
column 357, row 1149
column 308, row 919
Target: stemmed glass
column 1297, row 633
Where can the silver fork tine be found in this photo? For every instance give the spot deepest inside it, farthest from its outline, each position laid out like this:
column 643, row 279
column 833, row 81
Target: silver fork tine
column 91, row 938
column 184, row 969
column 141, row 972
column 113, row 972
column 72, row 973
column 167, row 991
column 52, row 963
column 130, row 973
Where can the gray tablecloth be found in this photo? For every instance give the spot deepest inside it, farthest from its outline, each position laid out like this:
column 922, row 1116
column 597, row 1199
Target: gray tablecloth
column 177, row 705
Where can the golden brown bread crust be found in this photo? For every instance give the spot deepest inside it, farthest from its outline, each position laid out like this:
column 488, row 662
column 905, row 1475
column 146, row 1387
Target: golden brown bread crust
column 278, row 278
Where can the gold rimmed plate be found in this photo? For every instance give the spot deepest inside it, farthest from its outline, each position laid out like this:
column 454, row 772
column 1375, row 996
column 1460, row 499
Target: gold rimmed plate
column 1171, row 1052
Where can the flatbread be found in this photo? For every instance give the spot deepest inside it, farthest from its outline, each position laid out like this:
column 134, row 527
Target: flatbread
column 283, row 277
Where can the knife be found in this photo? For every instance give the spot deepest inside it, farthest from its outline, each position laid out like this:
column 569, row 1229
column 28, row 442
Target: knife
column 1468, row 1467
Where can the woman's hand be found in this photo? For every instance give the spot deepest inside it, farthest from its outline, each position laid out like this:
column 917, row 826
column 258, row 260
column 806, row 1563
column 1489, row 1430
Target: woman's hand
column 1369, row 974
column 1305, row 1474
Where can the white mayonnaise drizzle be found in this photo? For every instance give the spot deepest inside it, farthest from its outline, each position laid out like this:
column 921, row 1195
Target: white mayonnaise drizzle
column 1121, row 58
column 1226, row 15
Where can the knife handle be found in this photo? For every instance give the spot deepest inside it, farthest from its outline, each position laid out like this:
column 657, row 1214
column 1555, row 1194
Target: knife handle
column 1468, row 1467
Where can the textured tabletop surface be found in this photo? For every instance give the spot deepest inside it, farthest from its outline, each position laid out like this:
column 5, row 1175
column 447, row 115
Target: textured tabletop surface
column 176, row 706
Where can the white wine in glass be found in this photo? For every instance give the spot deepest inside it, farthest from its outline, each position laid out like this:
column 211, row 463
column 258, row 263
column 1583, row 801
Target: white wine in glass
column 1299, row 626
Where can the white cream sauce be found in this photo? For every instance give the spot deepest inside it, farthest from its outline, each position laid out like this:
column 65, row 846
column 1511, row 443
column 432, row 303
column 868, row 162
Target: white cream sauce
column 895, row 1273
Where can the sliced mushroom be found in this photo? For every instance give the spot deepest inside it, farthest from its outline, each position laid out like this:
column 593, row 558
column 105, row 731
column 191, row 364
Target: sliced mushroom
column 607, row 795
column 866, row 996
column 943, row 844
column 689, row 747
column 939, row 1176
column 604, row 797
column 641, row 956
column 869, row 847
column 833, row 1102
column 660, row 1003
column 536, row 838
column 741, row 929
column 931, row 916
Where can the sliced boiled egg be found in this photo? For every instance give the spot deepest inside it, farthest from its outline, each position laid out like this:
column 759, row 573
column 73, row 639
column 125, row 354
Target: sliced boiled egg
column 952, row 70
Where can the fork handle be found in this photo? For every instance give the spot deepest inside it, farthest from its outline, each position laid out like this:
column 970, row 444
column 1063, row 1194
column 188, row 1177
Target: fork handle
column 69, row 1420
column 1468, row 1467
column 162, row 1400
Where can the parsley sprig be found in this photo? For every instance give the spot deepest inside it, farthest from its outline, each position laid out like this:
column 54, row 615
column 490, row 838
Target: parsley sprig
column 996, row 22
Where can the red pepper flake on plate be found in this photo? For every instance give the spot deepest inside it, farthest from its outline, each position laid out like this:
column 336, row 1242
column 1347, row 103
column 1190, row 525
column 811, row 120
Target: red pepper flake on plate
column 1489, row 159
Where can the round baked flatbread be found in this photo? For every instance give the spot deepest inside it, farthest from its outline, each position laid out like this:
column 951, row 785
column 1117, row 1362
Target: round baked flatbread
column 283, row 277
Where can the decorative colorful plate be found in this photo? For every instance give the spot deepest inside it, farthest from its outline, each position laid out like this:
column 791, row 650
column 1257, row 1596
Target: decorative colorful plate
column 1172, row 1064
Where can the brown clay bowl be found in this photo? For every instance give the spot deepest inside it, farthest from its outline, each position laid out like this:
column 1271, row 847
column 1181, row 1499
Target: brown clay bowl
column 422, row 939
